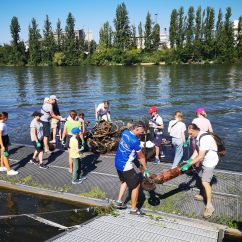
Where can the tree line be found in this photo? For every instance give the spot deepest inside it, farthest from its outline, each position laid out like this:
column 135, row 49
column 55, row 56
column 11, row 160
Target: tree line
column 194, row 37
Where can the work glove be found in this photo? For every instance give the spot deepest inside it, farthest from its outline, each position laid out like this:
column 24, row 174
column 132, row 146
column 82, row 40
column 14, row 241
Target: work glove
column 146, row 173
column 109, row 120
column 38, row 144
column 187, row 143
column 5, row 153
column 97, row 120
column 186, row 165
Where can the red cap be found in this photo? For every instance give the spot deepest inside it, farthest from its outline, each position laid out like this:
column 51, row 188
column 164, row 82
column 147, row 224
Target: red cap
column 152, row 109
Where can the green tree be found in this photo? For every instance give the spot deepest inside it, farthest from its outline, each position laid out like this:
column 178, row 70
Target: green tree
column 239, row 38
column 59, row 36
column 59, row 59
column 141, row 37
column 122, row 29
column 173, row 28
column 156, row 37
column 71, row 46
column 198, row 34
column 208, row 50
column 17, row 55
column 133, row 37
column 105, row 35
column 148, row 41
column 190, row 27
column 181, row 28
column 34, row 43
column 219, row 37
column 48, row 43
column 229, row 36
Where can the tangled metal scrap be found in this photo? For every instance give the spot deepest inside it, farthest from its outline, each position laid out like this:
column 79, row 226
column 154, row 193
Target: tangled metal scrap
column 104, row 137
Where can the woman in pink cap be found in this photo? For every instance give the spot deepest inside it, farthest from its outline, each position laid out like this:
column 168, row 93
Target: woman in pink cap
column 201, row 121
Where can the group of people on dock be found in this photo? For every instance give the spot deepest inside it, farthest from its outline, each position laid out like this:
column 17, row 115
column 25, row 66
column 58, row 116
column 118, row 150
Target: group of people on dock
column 204, row 155
column 48, row 119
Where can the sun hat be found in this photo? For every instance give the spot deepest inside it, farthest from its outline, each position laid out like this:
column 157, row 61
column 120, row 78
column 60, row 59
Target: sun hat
column 53, row 97
column 76, row 131
column 36, row 113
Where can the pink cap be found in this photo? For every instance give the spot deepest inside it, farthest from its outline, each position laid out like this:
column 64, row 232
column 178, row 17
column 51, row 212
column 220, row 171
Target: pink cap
column 200, row 110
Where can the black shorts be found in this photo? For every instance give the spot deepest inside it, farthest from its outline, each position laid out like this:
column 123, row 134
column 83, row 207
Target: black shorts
column 130, row 177
column 46, row 128
column 158, row 139
column 6, row 141
column 41, row 148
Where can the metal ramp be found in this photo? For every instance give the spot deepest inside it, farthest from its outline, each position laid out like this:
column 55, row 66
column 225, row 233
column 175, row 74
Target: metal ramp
column 132, row 228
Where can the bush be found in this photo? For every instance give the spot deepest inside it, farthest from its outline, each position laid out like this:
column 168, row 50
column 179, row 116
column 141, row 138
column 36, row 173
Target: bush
column 59, row 58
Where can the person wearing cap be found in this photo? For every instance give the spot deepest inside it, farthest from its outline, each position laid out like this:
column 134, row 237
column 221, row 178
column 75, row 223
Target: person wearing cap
column 156, row 122
column 71, row 123
column 4, row 143
column 74, row 153
column 129, row 149
column 201, row 121
column 36, row 134
column 47, row 111
column 103, row 112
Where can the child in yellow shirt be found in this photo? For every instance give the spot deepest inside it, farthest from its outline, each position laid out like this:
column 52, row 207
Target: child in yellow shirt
column 74, row 153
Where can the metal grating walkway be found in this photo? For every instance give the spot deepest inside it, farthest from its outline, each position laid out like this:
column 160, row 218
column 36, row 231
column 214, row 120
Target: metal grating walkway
column 126, row 227
column 175, row 196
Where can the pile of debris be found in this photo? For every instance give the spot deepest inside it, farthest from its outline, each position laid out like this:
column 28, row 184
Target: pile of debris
column 104, row 137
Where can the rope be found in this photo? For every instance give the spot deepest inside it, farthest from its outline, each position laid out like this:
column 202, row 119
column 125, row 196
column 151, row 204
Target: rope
column 58, row 211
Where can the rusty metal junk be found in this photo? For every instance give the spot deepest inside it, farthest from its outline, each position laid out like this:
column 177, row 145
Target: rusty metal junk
column 104, row 137
column 148, row 184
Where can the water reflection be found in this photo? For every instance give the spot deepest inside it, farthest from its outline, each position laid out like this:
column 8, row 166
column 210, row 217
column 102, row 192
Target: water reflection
column 131, row 91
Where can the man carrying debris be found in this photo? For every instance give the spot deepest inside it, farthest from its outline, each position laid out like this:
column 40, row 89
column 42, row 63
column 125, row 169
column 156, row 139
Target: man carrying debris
column 129, row 147
column 206, row 153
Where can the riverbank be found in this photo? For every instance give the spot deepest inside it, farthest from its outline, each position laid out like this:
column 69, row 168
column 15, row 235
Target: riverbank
column 102, row 183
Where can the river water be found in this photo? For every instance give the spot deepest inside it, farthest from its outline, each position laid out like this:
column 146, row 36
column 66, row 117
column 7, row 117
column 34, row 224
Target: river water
column 131, row 91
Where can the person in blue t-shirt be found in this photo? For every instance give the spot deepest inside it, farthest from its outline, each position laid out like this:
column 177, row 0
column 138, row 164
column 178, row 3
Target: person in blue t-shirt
column 128, row 150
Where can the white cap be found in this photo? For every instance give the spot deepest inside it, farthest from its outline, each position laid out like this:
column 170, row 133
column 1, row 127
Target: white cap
column 53, row 97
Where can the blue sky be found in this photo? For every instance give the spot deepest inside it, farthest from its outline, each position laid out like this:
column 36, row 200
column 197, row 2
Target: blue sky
column 91, row 14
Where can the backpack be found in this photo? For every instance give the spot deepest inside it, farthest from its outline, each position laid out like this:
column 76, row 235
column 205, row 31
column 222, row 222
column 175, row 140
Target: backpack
column 220, row 143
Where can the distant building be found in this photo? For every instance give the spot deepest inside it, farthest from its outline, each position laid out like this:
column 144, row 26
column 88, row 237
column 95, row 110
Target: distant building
column 235, row 28
column 164, row 40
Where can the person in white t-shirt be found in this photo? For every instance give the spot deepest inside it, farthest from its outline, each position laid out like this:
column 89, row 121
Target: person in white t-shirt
column 4, row 143
column 201, row 121
column 103, row 112
column 177, row 129
column 206, row 154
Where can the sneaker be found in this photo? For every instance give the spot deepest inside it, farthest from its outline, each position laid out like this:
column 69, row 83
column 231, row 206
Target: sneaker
column 82, row 178
column 77, row 181
column 33, row 161
column 3, row 168
column 156, row 161
column 198, row 197
column 162, row 155
column 52, row 142
column 43, row 166
column 12, row 173
column 48, row 152
column 208, row 212
column 119, row 204
column 138, row 212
